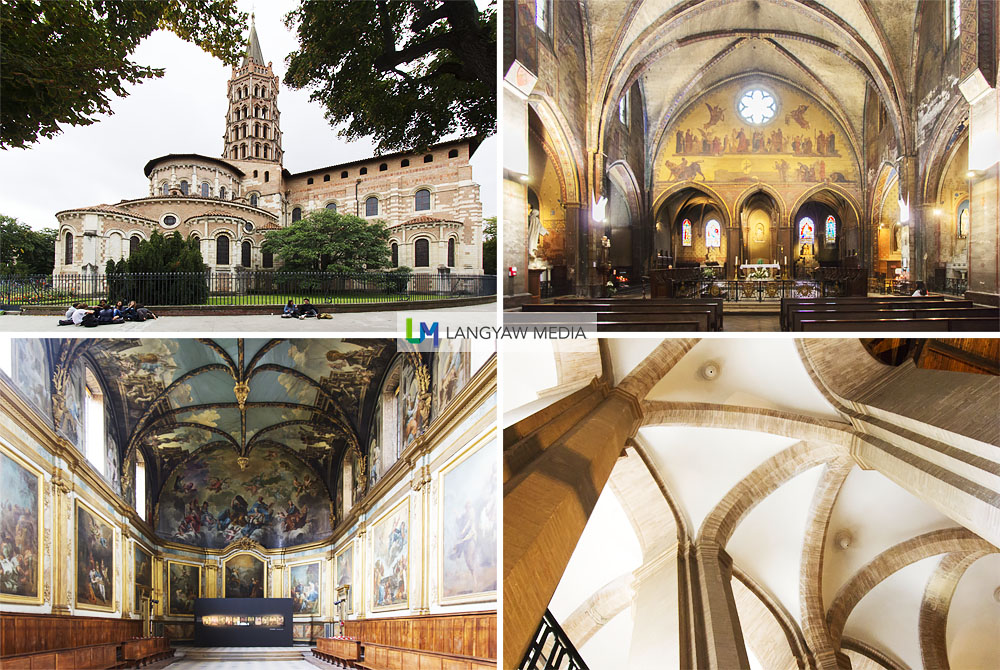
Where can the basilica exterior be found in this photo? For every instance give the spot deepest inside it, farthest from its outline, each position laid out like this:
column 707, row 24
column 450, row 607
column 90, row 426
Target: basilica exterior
column 427, row 198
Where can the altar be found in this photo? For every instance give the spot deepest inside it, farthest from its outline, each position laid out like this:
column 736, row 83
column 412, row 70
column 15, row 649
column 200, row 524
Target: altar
column 773, row 271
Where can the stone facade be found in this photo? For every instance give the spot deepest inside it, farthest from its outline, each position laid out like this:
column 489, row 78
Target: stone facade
column 428, row 199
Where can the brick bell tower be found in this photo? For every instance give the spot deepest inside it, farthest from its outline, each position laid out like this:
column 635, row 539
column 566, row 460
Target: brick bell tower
column 253, row 131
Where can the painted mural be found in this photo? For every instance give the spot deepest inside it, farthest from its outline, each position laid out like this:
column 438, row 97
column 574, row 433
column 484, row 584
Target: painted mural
column 391, row 558
column 73, row 394
column 304, row 588
column 451, row 373
column 209, row 501
column 469, row 526
column 244, row 577
column 19, row 531
column 95, row 561
column 345, row 573
column 183, row 588
column 414, row 401
column 793, row 140
column 142, row 576
column 32, row 373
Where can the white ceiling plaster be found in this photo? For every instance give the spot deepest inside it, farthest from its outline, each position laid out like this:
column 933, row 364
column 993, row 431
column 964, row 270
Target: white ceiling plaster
column 887, row 616
column 700, row 465
column 973, row 631
column 879, row 514
column 605, row 649
column 767, row 545
column 628, row 352
column 528, row 367
column 755, row 372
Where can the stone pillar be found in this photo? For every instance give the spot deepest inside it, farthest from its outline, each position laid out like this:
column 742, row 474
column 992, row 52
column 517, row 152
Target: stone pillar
column 277, row 579
column 575, row 228
column 212, row 580
column 719, row 638
column 914, row 228
column 515, row 241
column 546, row 507
column 420, row 483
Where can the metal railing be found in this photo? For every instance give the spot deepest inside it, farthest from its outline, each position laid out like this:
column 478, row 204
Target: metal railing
column 250, row 287
column 950, row 286
column 733, row 290
column 551, row 649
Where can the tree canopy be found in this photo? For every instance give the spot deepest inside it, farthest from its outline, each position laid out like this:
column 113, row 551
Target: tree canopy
column 490, row 245
column 330, row 241
column 25, row 251
column 404, row 73
column 162, row 253
column 61, row 61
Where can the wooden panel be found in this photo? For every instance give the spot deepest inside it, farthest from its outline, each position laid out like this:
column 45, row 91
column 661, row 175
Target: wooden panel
column 26, row 633
column 472, row 635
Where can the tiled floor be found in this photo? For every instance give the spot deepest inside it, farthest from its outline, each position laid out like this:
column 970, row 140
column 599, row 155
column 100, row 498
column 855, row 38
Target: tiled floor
column 751, row 323
column 242, row 665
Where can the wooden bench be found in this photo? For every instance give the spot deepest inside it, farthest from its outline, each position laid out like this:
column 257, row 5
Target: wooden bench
column 144, row 651
column 938, row 325
column 714, row 303
column 704, row 315
column 789, row 305
column 650, row 326
column 91, row 657
column 849, row 314
column 384, row 657
column 345, row 652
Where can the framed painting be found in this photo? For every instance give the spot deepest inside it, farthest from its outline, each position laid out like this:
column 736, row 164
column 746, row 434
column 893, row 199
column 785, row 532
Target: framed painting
column 304, row 582
column 345, row 572
column 142, row 575
column 467, row 525
column 244, row 577
column 391, row 559
column 20, row 530
column 95, row 560
column 451, row 374
column 183, row 588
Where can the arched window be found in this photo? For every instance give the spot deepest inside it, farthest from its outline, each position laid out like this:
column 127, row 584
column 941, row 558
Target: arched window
column 453, row 153
column 256, row 130
column 309, row 181
column 222, row 250
column 343, row 175
column 253, row 199
column 265, row 151
column 133, row 244
column 331, row 206
column 95, row 444
column 68, row 250
column 165, row 188
column 263, row 130
column 140, row 484
column 243, row 151
column 244, row 130
column 296, row 214
column 263, row 112
column 686, row 233
column 256, row 91
column 363, row 170
column 429, row 158
column 963, row 219
column 267, row 259
column 451, row 252
column 422, row 200
column 421, row 253
column 206, row 190
column 256, row 150
column 222, row 193
column 395, row 255
column 404, row 163
column 245, row 254
column 713, row 234
column 184, row 187
column 267, row 175
column 371, row 206
column 383, row 167
column 254, row 174
column 831, row 230
column 807, row 231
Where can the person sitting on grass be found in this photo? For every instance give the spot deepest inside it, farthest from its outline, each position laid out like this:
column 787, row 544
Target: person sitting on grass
column 306, row 309
column 107, row 316
column 290, row 311
column 128, row 312
column 68, row 321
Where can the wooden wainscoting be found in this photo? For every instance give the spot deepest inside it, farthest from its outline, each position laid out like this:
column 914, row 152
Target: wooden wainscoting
column 472, row 635
column 26, row 633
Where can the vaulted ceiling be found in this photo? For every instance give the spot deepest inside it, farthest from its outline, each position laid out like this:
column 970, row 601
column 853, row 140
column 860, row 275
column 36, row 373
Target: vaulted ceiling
column 677, row 49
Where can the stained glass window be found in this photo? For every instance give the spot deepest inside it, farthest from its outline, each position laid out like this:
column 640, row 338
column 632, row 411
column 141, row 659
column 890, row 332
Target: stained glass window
column 807, row 231
column 831, row 230
column 713, row 234
column 757, row 106
column 686, row 233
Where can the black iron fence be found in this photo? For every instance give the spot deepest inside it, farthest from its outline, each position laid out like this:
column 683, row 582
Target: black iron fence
column 947, row 286
column 241, row 288
column 733, row 290
column 551, row 649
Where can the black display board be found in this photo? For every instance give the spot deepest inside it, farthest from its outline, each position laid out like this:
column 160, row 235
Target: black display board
column 243, row 622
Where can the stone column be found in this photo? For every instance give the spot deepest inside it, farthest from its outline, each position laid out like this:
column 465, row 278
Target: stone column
column 575, row 229
column 546, row 507
column 719, row 638
column 211, row 580
column 277, row 579
column 62, row 544
column 515, row 241
column 420, row 484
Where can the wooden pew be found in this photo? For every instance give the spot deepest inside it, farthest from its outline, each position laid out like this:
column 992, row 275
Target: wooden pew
column 850, row 314
column 936, row 325
column 91, row 657
column 612, row 311
column 789, row 305
column 715, row 303
column 650, row 326
column 143, row 651
column 333, row 650
column 385, row 657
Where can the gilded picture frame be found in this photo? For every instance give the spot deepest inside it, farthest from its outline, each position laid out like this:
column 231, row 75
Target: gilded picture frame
column 479, row 453
column 225, row 574
column 174, row 609
column 105, row 576
column 31, row 471
column 307, row 596
column 138, row 547
column 380, row 535
column 348, row 547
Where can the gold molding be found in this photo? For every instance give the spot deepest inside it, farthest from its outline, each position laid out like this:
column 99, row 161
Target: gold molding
column 42, row 539
column 168, row 596
column 244, row 552
column 75, row 556
column 405, row 501
column 287, row 568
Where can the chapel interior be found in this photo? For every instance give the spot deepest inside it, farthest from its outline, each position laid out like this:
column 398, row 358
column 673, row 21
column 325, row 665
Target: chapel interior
column 850, row 144
column 752, row 503
column 144, row 482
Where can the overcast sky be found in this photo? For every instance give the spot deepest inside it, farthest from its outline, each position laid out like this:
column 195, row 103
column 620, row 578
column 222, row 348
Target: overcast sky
column 181, row 112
